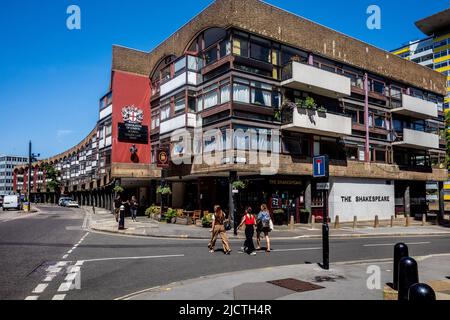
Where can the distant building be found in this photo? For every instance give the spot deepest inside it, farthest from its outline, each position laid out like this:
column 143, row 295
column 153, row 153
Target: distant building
column 7, row 164
column 434, row 50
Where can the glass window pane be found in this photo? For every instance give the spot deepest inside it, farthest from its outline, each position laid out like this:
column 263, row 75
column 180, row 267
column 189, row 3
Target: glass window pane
column 241, row 93
column 180, row 105
column 225, row 94
column 211, row 99
column 260, row 52
column 213, row 35
column 180, row 65
column 261, row 97
column 211, row 56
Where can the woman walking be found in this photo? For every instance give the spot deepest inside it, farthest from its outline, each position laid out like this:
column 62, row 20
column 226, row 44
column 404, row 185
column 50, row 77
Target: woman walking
column 250, row 222
column 218, row 229
column 134, row 205
column 264, row 220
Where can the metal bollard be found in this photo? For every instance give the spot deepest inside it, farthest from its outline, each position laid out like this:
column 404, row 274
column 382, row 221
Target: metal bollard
column 313, row 222
column 400, row 251
column 355, row 222
column 337, row 224
column 122, row 218
column 408, row 221
column 424, row 219
column 392, row 221
column 421, row 292
column 377, row 222
column 408, row 275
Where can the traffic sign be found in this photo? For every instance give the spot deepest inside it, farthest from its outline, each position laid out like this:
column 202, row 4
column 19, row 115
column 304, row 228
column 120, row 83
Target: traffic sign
column 321, row 166
column 323, row 186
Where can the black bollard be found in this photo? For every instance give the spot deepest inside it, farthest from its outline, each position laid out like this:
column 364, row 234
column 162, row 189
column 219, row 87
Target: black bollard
column 122, row 219
column 421, row 292
column 400, row 251
column 408, row 275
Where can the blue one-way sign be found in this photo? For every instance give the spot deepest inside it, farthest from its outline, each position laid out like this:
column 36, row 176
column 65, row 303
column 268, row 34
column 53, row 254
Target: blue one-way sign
column 321, row 167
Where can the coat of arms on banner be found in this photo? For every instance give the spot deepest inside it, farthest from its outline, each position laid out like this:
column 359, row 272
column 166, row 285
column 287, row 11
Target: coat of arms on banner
column 132, row 114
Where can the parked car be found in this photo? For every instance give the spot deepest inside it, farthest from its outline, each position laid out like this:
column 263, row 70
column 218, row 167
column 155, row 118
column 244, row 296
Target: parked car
column 72, row 204
column 11, row 202
column 63, row 200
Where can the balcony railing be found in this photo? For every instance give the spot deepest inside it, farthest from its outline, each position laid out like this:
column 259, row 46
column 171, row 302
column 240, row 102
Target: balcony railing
column 316, row 122
column 306, row 77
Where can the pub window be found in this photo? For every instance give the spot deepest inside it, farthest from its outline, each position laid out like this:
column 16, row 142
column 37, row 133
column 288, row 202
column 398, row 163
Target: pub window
column 261, row 94
column 213, row 35
column 225, row 91
column 260, row 49
column 211, row 56
column 241, row 91
column 180, row 66
column 165, row 111
column 180, row 104
column 211, row 97
column 240, row 47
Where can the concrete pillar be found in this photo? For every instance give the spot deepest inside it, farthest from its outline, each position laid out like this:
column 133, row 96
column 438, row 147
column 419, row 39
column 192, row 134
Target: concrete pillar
column 308, row 197
column 407, row 199
column 232, row 178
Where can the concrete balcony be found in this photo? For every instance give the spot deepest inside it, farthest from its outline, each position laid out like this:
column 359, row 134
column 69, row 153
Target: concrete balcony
column 417, row 108
column 319, row 123
column 182, row 121
column 418, row 140
column 186, row 78
column 309, row 78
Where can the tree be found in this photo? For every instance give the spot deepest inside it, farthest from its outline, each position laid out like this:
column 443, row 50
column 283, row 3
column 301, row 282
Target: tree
column 51, row 176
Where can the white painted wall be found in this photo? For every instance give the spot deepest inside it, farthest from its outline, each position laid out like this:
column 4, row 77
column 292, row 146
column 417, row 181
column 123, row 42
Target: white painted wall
column 417, row 105
column 173, row 124
column 365, row 211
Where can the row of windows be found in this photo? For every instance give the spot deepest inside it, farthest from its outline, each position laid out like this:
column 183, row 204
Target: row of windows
column 441, row 43
column 442, row 53
column 9, row 181
column 13, row 159
column 441, row 65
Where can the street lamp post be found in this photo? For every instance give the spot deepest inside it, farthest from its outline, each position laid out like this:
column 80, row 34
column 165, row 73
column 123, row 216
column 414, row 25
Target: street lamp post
column 31, row 157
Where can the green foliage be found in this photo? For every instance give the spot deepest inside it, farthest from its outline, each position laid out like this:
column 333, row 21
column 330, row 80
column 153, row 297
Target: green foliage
column 51, row 175
column 278, row 212
column 207, row 221
column 164, row 190
column 118, row 189
column 152, row 211
column 170, row 214
column 309, row 103
column 239, row 185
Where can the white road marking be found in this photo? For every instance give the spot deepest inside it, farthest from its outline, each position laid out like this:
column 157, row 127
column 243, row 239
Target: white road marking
column 49, row 278
column 64, row 287
column 53, row 269
column 40, row 288
column 136, row 258
column 70, row 251
column 298, row 249
column 65, row 256
column 32, row 298
column 59, row 297
column 62, row 264
column 393, row 244
column 71, row 277
column 128, row 296
column 79, row 263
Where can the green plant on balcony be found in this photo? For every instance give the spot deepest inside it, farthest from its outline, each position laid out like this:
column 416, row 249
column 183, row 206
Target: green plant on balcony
column 309, row 103
column 322, row 109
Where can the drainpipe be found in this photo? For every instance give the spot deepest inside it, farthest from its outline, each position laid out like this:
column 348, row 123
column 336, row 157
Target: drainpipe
column 366, row 111
column 311, row 59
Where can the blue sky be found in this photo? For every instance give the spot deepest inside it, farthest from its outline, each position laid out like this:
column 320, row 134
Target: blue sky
column 51, row 78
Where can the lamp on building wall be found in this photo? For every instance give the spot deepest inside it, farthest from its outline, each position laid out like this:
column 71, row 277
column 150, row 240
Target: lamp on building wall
column 134, row 151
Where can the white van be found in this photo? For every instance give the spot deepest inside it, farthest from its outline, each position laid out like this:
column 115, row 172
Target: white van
column 11, row 202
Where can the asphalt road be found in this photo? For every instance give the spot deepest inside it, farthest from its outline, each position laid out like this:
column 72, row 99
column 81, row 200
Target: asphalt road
column 42, row 254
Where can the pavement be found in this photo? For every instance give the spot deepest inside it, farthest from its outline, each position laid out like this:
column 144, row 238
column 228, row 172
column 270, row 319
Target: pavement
column 103, row 221
column 344, row 281
column 46, row 252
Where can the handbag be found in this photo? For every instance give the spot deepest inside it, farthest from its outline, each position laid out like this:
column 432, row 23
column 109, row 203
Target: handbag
column 227, row 225
column 271, row 225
